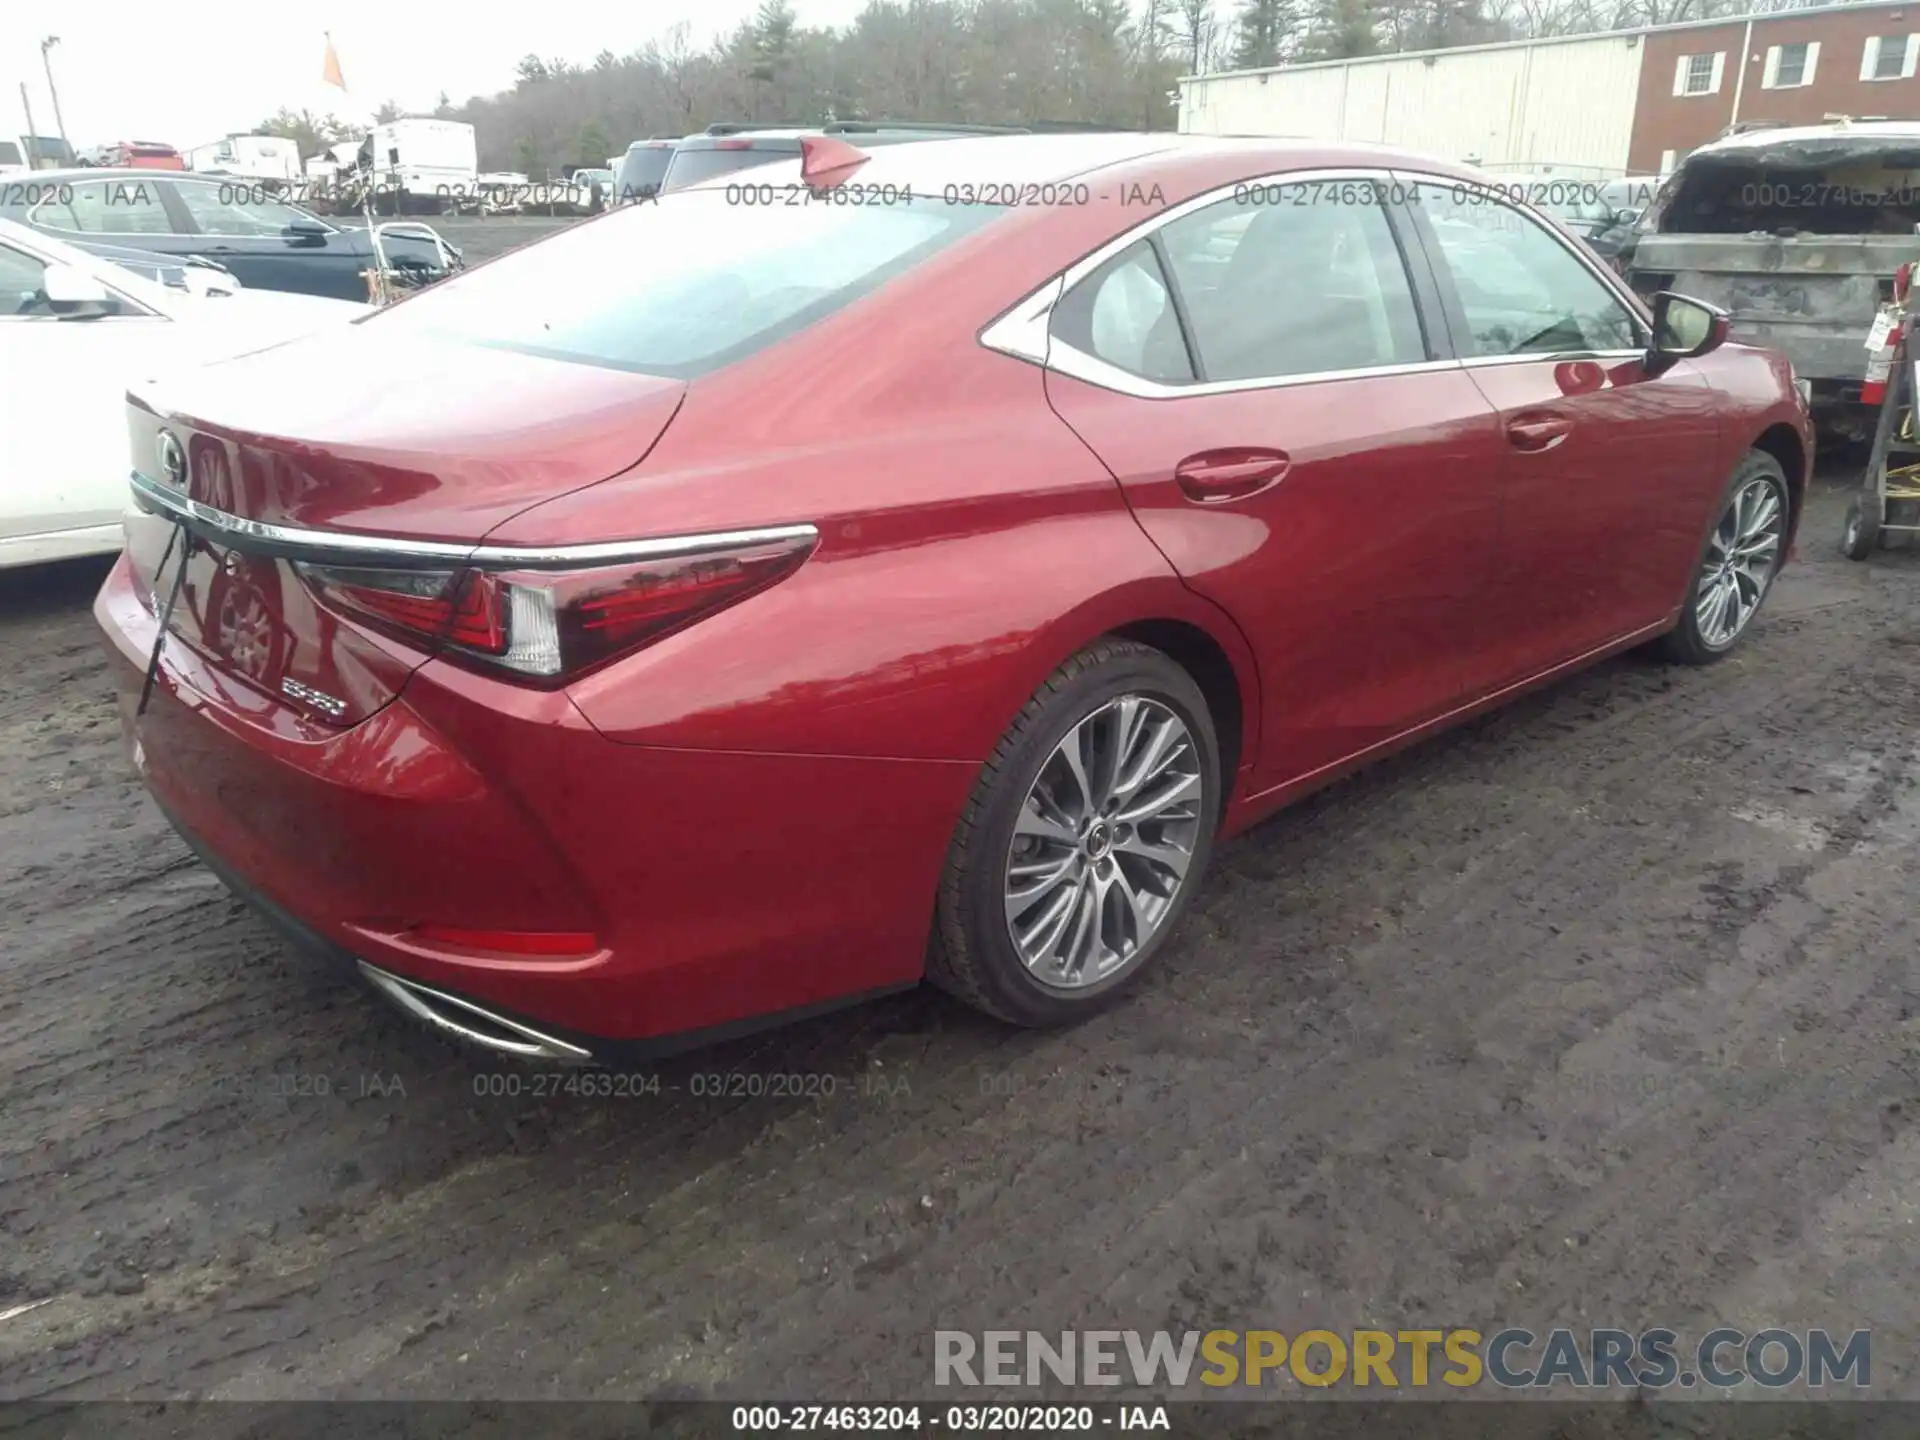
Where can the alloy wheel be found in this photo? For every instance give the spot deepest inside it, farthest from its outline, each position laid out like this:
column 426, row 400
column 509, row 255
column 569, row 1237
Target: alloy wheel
column 1103, row 842
column 1741, row 556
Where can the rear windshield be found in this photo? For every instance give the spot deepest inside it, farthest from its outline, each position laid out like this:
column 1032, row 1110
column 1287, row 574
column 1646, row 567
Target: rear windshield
column 9, row 153
column 687, row 285
column 691, row 166
column 1740, row 195
column 642, row 170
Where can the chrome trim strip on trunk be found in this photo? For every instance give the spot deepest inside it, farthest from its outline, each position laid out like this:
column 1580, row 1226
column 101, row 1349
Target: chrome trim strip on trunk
column 297, row 543
column 421, row 1002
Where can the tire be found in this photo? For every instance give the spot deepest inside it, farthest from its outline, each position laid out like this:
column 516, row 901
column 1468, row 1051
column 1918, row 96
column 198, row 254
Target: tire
column 1694, row 641
column 1861, row 534
column 1121, row 891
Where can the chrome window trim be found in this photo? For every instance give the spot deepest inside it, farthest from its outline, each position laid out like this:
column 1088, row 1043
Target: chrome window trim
column 297, row 543
column 1021, row 329
column 1613, row 284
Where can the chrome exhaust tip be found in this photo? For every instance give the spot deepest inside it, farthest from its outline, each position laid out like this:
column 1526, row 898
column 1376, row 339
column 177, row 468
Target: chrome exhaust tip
column 472, row 1024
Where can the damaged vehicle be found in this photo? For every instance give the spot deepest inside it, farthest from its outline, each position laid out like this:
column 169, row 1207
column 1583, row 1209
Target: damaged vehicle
column 1796, row 232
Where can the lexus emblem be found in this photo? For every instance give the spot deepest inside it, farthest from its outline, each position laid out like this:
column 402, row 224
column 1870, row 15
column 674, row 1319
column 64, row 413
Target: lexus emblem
column 173, row 460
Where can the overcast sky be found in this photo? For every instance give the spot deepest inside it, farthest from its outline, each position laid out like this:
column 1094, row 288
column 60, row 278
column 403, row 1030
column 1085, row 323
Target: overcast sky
column 189, row 72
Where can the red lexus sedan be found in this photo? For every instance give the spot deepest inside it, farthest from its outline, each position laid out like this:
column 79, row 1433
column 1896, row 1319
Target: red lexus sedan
column 743, row 603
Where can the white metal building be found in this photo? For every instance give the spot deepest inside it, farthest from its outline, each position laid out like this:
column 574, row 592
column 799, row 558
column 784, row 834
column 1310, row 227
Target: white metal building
column 1565, row 106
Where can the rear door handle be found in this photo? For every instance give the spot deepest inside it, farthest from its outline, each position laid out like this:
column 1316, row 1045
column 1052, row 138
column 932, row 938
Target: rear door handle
column 1215, row 475
column 1538, row 432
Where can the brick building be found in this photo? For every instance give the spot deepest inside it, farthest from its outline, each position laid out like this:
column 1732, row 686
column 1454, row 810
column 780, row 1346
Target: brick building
column 1626, row 101
column 1698, row 81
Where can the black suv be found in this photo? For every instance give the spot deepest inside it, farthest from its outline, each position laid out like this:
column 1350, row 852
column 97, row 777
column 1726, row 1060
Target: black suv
column 722, row 149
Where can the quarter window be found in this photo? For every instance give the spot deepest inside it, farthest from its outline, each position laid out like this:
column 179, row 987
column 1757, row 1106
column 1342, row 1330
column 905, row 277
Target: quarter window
column 1522, row 290
column 108, row 207
column 1123, row 314
column 1294, row 280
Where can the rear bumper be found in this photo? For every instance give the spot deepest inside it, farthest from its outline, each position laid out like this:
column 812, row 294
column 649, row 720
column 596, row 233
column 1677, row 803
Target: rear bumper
column 725, row 890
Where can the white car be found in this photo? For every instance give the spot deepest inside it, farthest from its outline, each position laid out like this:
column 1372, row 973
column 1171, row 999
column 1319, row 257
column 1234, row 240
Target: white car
column 75, row 332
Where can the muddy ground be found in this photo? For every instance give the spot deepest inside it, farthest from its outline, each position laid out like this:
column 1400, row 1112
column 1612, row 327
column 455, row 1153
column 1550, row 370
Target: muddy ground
column 1602, row 1010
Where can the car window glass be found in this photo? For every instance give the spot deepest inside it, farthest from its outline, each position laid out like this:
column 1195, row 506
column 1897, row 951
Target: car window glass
column 22, row 284
column 1522, row 290
column 107, row 207
column 712, row 290
column 235, row 210
column 1292, row 280
column 1123, row 313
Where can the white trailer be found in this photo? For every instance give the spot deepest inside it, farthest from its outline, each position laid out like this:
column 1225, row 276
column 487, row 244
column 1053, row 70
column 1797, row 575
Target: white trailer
column 420, row 165
column 249, row 157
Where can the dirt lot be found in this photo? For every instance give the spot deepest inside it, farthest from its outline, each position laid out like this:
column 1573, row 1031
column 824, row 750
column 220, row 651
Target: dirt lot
column 1600, row 1011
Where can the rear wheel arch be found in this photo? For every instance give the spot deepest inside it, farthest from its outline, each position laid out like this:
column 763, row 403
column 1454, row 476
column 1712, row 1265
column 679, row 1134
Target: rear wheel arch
column 1212, row 669
column 1191, row 631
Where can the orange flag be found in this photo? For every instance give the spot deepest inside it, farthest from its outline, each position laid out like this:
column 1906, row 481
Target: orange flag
column 330, row 71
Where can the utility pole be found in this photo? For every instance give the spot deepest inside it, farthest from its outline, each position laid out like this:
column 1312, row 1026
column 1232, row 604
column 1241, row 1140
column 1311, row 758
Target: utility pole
column 59, row 124
column 33, row 140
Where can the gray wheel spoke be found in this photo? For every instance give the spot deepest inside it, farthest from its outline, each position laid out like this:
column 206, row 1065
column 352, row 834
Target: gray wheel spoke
column 1741, row 557
column 1103, row 842
column 1072, row 755
column 1031, row 822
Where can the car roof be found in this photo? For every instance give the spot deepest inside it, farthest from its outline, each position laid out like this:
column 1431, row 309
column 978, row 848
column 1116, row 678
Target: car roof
column 1867, row 130
column 114, row 172
column 1018, row 160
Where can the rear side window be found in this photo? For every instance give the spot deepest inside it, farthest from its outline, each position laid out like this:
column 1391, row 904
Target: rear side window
column 691, row 166
column 641, row 171
column 1294, row 280
column 688, row 285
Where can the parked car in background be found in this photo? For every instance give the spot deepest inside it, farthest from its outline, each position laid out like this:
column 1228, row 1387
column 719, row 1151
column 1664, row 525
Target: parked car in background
column 596, row 185
column 75, row 331
column 22, row 153
column 660, row 647
column 139, row 155
column 725, row 148
column 193, row 273
column 1796, row 232
column 267, row 243
column 1583, row 207
column 641, row 170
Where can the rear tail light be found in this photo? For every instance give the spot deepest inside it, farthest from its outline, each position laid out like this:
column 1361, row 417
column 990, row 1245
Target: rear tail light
column 550, row 626
column 1902, row 279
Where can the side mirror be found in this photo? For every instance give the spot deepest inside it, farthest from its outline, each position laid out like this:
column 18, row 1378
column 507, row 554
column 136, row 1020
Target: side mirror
column 1683, row 328
column 305, row 232
column 74, row 293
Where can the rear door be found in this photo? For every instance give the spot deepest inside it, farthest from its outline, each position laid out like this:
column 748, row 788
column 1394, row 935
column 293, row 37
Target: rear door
column 1258, row 375
column 1607, row 470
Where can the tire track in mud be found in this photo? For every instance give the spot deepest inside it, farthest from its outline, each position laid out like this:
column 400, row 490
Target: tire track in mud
column 1396, row 1069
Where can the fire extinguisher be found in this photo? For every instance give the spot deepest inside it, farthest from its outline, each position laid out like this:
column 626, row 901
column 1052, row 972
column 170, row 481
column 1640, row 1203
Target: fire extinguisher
column 1886, row 332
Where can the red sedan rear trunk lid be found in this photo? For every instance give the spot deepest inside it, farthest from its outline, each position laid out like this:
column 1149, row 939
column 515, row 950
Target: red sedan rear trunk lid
column 356, row 432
